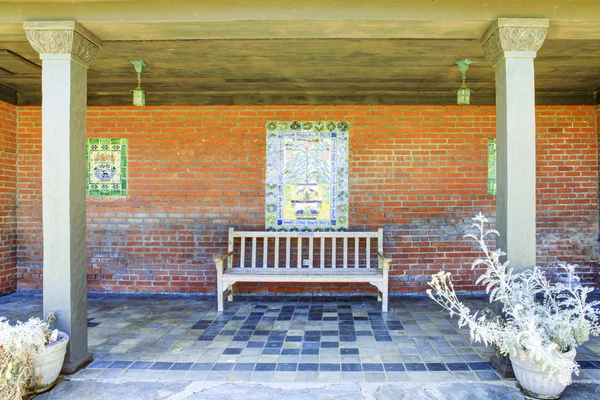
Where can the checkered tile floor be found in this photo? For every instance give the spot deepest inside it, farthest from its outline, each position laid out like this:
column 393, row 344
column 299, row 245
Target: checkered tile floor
column 302, row 339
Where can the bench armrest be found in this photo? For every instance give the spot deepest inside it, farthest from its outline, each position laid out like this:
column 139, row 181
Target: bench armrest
column 384, row 262
column 385, row 257
column 221, row 257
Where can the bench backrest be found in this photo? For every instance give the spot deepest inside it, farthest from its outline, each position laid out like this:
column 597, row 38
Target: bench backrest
column 304, row 249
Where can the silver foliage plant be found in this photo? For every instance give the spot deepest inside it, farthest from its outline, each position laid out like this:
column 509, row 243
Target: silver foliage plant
column 19, row 344
column 540, row 319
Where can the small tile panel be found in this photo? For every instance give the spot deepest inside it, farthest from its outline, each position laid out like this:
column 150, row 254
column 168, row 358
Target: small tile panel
column 106, row 167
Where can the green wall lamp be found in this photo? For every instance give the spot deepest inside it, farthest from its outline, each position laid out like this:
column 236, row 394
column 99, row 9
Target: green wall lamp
column 463, row 94
column 139, row 96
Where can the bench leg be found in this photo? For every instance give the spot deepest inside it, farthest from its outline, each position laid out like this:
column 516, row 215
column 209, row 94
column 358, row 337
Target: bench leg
column 230, row 297
column 378, row 294
column 219, row 296
column 384, row 300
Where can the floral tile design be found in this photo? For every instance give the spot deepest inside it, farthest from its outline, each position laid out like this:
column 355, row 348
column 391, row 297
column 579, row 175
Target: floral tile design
column 106, row 167
column 307, row 176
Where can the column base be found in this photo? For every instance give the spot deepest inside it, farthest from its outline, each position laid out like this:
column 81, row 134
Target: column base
column 71, row 367
column 503, row 366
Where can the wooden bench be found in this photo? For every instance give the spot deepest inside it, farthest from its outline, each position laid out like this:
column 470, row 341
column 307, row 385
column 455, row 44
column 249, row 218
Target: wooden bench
column 284, row 259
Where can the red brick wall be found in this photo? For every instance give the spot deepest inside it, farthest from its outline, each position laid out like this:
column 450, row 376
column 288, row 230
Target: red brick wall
column 419, row 172
column 567, row 187
column 8, row 198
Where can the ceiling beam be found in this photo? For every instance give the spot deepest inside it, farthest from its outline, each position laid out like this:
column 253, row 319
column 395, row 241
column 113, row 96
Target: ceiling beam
column 179, row 98
column 228, row 10
column 203, row 29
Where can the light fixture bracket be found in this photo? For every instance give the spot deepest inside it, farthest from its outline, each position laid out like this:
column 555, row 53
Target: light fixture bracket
column 463, row 97
column 139, row 95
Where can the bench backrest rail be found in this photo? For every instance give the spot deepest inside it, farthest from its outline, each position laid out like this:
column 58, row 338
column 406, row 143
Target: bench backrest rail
column 272, row 240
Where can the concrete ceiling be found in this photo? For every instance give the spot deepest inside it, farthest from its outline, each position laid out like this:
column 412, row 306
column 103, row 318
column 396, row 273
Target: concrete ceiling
column 303, row 52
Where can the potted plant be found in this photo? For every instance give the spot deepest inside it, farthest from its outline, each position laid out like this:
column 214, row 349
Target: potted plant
column 541, row 324
column 31, row 356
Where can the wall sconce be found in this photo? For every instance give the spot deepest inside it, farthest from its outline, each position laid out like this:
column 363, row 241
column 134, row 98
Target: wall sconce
column 463, row 94
column 139, row 96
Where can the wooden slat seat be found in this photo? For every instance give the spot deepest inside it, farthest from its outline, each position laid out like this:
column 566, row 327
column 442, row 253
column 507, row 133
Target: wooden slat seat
column 294, row 275
column 305, row 257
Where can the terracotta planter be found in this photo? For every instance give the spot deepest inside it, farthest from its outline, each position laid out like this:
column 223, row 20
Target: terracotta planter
column 537, row 383
column 47, row 364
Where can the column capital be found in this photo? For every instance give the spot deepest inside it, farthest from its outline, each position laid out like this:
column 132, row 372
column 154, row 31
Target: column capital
column 514, row 34
column 51, row 38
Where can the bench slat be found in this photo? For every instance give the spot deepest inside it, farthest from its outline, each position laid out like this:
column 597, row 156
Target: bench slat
column 242, row 252
column 230, row 247
column 368, row 253
column 296, row 271
column 310, row 252
column 345, row 252
column 254, row 252
column 379, row 247
column 276, row 252
column 304, row 234
column 299, row 262
column 333, row 261
column 287, row 252
column 265, row 253
column 322, row 252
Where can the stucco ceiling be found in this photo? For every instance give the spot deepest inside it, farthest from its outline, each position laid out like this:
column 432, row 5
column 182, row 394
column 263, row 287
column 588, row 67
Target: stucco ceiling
column 303, row 52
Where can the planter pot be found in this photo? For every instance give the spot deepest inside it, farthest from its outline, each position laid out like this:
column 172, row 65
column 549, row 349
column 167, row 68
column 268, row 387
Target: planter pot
column 537, row 383
column 47, row 364
column 307, row 209
column 307, row 202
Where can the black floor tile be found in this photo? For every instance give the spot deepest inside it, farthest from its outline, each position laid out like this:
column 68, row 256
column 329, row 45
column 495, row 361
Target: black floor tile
column 351, row 367
column 223, row 367
column 161, row 366
column 308, row 367
column 457, row 366
column 372, row 367
column 329, row 367
column 436, row 367
column 265, row 366
column 394, row 367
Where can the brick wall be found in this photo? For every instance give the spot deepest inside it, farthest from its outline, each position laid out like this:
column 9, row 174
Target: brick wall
column 567, row 188
column 8, row 198
column 419, row 172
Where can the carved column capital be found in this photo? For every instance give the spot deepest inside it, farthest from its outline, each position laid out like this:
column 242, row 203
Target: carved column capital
column 513, row 34
column 62, row 37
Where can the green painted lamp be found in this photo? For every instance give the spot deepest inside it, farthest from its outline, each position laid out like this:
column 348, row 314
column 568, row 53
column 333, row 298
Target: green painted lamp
column 139, row 96
column 463, row 94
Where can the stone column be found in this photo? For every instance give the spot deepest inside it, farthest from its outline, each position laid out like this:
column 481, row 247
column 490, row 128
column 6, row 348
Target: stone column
column 66, row 49
column 511, row 45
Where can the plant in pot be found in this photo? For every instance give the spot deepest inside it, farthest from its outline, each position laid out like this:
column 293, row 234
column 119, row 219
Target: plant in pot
column 31, row 356
column 541, row 323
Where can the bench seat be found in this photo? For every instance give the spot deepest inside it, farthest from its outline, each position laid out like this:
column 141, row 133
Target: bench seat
column 320, row 263
column 301, row 274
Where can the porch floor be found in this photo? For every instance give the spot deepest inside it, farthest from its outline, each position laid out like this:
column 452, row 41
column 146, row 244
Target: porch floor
column 280, row 339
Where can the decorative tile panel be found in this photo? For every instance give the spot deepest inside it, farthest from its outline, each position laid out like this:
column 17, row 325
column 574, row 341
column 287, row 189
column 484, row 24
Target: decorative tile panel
column 492, row 166
column 307, row 176
column 106, row 167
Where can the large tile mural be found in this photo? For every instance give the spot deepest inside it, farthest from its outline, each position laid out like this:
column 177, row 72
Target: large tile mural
column 106, row 167
column 307, row 176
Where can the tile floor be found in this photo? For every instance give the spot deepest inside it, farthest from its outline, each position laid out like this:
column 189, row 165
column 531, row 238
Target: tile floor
column 272, row 339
